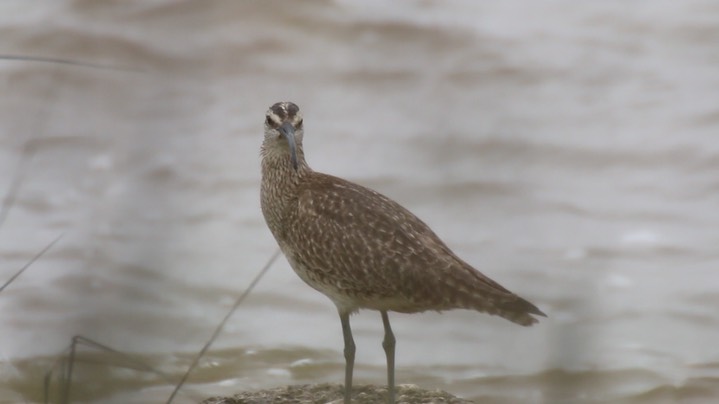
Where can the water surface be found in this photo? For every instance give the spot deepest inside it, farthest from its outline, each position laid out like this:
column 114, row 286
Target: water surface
column 567, row 150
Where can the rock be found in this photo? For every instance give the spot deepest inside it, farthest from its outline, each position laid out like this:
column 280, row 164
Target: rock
column 332, row 393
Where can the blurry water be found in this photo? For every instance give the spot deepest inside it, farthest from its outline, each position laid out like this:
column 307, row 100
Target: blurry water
column 569, row 150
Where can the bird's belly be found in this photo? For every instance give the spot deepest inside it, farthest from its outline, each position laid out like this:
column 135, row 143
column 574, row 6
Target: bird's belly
column 333, row 290
column 349, row 299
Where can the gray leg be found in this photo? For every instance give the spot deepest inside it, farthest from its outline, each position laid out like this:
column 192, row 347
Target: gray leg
column 388, row 344
column 349, row 354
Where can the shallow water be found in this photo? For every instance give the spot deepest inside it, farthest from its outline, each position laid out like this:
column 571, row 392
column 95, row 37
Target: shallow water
column 570, row 151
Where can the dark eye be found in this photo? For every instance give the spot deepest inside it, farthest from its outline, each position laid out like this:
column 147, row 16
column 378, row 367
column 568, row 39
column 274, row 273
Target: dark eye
column 268, row 121
column 299, row 124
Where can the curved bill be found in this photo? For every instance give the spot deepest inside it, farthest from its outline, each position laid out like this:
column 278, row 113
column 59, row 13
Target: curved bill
column 288, row 131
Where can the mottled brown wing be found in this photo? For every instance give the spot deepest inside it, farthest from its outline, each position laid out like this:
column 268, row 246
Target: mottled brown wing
column 371, row 246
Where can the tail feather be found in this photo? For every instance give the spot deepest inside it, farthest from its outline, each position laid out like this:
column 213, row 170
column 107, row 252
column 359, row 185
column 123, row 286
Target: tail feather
column 520, row 311
column 508, row 306
column 473, row 290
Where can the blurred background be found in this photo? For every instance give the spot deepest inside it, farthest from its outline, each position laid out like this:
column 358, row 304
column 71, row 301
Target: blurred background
column 569, row 150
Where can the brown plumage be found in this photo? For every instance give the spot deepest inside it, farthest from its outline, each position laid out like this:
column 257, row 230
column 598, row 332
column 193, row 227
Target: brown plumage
column 362, row 249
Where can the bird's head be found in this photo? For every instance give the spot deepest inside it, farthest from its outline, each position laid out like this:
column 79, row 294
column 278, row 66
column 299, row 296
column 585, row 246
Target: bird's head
column 283, row 128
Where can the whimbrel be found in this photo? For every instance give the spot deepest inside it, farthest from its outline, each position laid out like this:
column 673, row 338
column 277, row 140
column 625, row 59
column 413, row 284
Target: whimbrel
column 362, row 249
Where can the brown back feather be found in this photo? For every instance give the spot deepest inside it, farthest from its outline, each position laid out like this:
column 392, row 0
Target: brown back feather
column 374, row 248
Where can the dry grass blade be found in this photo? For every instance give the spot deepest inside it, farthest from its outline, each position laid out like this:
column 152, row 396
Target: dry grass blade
column 222, row 324
column 35, row 258
column 67, row 365
column 27, row 154
column 69, row 62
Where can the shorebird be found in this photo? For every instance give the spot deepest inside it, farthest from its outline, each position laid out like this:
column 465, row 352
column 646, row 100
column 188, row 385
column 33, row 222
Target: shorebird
column 362, row 249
